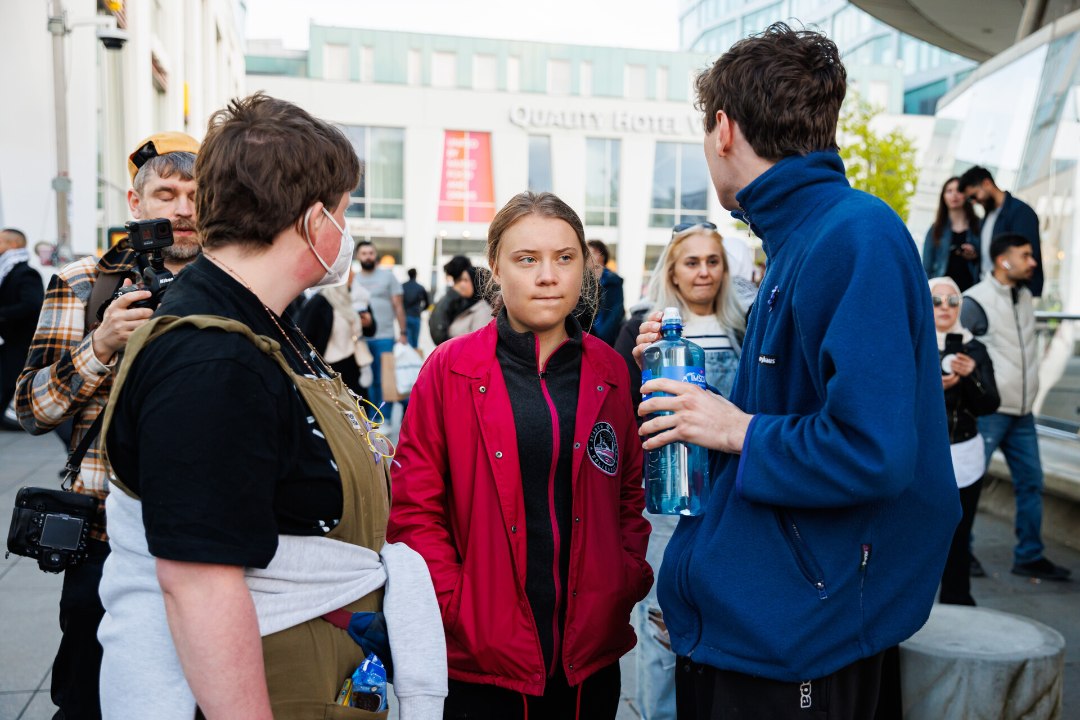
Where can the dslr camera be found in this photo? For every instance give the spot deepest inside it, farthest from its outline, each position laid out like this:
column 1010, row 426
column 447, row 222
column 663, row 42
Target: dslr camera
column 51, row 526
column 147, row 238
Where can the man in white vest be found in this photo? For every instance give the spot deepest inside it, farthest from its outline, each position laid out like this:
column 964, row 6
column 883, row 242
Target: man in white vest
column 1000, row 313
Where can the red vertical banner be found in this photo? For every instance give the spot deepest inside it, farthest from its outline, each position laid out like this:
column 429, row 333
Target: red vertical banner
column 467, row 193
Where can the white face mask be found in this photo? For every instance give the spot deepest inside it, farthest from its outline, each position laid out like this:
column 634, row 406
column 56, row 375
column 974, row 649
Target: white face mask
column 337, row 273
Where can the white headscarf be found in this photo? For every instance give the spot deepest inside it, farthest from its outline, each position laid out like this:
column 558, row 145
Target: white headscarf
column 957, row 327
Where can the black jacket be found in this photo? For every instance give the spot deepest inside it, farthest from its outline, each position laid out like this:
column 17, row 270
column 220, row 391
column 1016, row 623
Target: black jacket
column 442, row 315
column 21, row 295
column 973, row 396
column 1016, row 216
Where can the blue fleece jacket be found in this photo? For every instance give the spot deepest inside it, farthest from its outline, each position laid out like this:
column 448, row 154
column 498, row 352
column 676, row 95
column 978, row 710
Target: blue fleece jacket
column 823, row 543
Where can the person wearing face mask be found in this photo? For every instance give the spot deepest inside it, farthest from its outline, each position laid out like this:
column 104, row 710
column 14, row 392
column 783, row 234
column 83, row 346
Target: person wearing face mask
column 520, row 484
column 250, row 494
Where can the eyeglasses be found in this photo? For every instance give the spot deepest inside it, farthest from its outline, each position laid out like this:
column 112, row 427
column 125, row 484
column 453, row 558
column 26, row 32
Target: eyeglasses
column 687, row 225
column 953, row 300
column 379, row 445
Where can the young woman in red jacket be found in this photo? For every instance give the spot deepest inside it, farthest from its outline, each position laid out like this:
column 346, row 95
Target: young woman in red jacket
column 520, row 484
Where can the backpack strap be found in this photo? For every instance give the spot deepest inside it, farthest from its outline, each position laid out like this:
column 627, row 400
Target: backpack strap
column 158, row 326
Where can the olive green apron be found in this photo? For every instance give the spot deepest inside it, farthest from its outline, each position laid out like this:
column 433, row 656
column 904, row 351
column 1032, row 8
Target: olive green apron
column 306, row 665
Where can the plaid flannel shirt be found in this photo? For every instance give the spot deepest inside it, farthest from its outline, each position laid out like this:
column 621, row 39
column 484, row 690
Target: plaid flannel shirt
column 63, row 378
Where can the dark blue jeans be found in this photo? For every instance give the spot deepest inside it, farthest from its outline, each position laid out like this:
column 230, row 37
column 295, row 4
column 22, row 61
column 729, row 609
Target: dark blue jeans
column 412, row 330
column 1016, row 437
column 377, row 348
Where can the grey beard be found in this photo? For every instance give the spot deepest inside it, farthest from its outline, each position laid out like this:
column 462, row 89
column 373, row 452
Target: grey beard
column 180, row 253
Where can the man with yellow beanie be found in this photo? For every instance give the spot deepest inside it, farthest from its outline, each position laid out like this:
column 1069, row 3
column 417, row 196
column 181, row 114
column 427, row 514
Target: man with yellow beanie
column 69, row 374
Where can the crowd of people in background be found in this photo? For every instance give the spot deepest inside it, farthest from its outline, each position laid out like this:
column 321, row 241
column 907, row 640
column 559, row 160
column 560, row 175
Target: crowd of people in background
column 260, row 534
column 991, row 267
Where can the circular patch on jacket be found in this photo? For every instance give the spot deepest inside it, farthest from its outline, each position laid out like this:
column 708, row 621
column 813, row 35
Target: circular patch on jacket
column 604, row 448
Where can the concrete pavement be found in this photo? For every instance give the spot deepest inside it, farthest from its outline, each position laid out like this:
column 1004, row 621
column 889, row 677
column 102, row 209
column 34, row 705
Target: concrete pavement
column 29, row 632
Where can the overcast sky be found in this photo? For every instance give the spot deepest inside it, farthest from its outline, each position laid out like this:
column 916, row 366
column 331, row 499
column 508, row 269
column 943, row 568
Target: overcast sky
column 612, row 23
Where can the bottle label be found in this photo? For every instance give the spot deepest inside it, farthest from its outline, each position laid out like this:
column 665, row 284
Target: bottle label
column 683, row 373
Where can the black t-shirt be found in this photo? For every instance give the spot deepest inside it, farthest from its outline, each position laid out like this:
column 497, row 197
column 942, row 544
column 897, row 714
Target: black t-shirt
column 415, row 298
column 214, row 437
column 959, row 269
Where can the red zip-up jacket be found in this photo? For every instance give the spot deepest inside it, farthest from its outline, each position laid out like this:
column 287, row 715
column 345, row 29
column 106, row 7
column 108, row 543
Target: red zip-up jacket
column 458, row 501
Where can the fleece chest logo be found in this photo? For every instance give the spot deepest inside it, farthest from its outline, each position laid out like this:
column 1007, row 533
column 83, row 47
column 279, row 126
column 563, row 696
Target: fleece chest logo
column 604, row 448
column 766, row 359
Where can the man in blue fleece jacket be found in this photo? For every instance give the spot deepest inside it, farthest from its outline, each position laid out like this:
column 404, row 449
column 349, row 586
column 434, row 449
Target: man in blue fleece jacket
column 833, row 500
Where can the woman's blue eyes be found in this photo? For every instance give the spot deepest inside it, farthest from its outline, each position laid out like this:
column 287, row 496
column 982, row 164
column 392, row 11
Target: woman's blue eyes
column 530, row 260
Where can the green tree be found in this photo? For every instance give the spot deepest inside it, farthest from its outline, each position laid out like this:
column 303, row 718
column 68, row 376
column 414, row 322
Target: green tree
column 882, row 165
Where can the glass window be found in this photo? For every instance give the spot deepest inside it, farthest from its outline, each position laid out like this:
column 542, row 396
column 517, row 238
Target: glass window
column 443, row 69
column 602, row 164
column 757, row 21
column 845, row 26
column 923, row 100
column 634, row 82
column 387, row 249
column 909, row 53
column 652, row 256
column 664, row 174
column 558, row 77
column 513, row 74
column 485, row 74
column 414, row 64
column 367, row 64
column 381, row 192
column 585, row 79
column 540, row 163
column 680, row 185
column 718, row 39
column 806, row 10
column 661, row 83
column 335, row 62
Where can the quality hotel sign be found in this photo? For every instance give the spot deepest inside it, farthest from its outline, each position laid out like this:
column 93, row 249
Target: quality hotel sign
column 611, row 121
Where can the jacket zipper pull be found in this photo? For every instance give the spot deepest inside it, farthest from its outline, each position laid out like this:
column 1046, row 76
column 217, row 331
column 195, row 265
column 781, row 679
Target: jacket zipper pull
column 865, row 557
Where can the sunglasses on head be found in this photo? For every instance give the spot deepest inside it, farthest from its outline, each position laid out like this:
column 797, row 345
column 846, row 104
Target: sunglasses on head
column 687, row 225
column 952, row 300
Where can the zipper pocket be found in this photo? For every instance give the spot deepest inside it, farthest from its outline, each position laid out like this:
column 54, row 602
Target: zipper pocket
column 808, row 566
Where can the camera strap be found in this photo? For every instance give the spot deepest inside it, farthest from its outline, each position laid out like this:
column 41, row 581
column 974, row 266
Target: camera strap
column 74, row 461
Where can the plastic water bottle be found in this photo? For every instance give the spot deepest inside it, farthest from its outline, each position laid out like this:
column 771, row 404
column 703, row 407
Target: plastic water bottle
column 676, row 475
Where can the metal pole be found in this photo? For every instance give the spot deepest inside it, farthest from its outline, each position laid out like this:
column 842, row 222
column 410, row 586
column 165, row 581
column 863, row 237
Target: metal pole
column 62, row 182
column 1031, row 19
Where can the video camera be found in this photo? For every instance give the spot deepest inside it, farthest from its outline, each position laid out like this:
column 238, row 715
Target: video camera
column 147, row 238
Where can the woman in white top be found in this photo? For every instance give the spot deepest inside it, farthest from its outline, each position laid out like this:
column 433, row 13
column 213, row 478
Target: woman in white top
column 692, row 274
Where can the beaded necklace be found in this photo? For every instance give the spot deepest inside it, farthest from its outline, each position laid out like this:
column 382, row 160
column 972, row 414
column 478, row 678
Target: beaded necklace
column 356, row 416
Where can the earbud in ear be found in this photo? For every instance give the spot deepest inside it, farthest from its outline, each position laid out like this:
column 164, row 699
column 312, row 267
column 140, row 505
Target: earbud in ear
column 1006, row 264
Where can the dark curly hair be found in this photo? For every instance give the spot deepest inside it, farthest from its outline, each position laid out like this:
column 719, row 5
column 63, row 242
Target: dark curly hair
column 782, row 87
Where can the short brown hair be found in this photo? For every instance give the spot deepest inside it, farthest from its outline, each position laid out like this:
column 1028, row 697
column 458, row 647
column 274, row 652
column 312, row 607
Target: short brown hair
column 547, row 205
column 782, row 87
column 263, row 163
column 600, row 247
